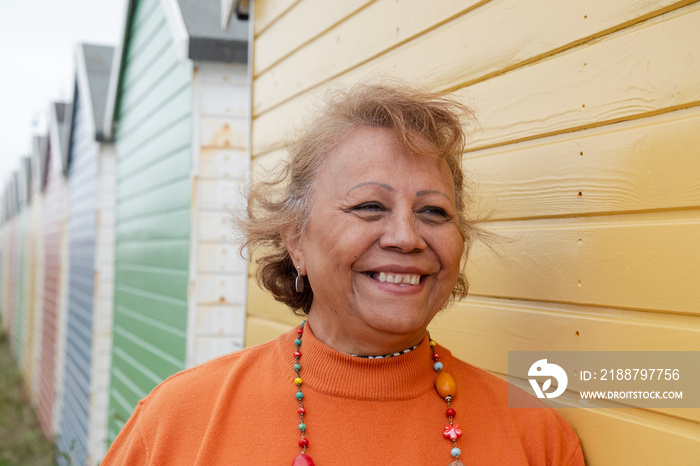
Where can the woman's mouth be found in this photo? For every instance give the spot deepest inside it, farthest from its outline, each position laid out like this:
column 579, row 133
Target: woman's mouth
column 404, row 279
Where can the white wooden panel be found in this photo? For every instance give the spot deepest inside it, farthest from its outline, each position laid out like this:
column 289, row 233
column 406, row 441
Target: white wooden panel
column 644, row 261
column 215, row 227
column 220, row 195
column 221, row 289
column 224, row 100
column 209, row 348
column 224, row 132
column 221, row 258
column 222, row 73
column 219, row 320
column 223, row 163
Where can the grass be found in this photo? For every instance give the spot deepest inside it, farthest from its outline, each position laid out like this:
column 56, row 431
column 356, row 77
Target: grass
column 21, row 440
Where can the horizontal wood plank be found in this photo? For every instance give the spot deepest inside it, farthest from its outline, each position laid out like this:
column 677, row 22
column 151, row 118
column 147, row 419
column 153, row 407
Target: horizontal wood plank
column 343, row 47
column 471, row 57
column 632, row 437
column 267, row 11
column 259, row 331
column 298, row 26
column 640, row 261
column 637, row 72
column 648, row 164
column 270, row 127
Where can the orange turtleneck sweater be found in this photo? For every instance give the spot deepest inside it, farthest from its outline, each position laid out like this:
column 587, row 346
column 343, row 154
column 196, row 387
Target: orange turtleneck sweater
column 241, row 409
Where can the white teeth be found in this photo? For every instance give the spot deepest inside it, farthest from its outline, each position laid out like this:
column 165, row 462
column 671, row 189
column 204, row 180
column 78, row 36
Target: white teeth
column 399, row 278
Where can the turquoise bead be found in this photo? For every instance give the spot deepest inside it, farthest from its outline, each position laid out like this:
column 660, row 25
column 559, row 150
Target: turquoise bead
column 299, row 395
column 297, row 342
column 302, row 426
column 437, row 366
column 456, row 452
column 297, row 367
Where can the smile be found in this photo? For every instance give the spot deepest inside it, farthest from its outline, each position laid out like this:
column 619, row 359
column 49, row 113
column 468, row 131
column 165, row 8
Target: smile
column 403, row 279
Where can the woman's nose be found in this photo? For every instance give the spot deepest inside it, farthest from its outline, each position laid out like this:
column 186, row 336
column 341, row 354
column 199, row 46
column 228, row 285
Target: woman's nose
column 402, row 233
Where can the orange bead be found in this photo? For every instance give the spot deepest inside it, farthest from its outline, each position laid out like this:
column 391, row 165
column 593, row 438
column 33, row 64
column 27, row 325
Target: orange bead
column 445, row 385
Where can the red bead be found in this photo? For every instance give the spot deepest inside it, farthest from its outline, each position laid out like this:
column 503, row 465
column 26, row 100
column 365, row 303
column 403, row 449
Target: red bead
column 436, row 356
column 452, row 432
column 450, row 412
column 303, row 442
column 300, row 331
column 301, row 410
column 297, row 354
column 303, row 459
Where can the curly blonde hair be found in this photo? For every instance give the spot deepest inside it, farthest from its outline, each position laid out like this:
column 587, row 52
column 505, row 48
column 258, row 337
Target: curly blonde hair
column 283, row 203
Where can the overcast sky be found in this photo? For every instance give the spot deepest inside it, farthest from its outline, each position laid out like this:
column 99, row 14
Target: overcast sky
column 37, row 42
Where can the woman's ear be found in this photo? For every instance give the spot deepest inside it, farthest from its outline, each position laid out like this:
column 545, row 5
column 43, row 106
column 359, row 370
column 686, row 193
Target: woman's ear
column 294, row 244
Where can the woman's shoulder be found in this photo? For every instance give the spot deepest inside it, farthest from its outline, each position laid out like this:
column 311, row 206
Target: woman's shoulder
column 504, row 408
column 202, row 384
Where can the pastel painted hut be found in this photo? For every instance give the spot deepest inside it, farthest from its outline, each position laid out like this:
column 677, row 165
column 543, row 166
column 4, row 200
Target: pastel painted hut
column 24, row 327
column 90, row 217
column 34, row 269
column 585, row 153
column 55, row 252
column 180, row 121
column 10, row 259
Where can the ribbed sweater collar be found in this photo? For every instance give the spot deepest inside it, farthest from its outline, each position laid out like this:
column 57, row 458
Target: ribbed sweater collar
column 333, row 373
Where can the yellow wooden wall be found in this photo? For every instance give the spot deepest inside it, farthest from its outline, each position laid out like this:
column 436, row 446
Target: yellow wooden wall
column 587, row 155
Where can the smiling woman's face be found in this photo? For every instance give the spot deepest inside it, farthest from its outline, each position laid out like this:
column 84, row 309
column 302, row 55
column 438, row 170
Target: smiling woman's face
column 382, row 246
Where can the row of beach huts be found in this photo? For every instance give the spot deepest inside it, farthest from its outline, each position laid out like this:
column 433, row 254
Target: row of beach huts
column 117, row 265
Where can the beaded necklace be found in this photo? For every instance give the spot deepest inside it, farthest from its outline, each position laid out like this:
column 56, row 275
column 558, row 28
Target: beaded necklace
column 445, row 386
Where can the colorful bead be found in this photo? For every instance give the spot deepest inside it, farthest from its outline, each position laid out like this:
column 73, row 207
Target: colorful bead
column 445, row 385
column 302, row 426
column 437, row 366
column 456, row 452
column 452, row 432
column 300, row 330
column 297, row 367
column 436, row 356
column 297, row 342
column 297, row 381
column 456, row 463
column 301, row 410
column 303, row 459
column 450, row 412
column 300, row 396
column 432, row 343
column 297, row 354
column 303, row 442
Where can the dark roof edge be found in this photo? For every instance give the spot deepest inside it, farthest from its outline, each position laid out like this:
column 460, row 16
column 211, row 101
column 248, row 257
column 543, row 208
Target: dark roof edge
column 115, row 78
column 209, row 49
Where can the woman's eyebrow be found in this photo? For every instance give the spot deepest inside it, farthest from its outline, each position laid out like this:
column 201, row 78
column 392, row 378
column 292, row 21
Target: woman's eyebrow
column 377, row 183
column 431, row 191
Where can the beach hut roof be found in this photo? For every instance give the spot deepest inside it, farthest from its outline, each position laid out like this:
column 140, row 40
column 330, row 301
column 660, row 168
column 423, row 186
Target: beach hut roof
column 93, row 65
column 59, row 133
column 201, row 31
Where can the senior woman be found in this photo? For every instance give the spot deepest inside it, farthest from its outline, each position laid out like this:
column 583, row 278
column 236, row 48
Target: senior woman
column 366, row 233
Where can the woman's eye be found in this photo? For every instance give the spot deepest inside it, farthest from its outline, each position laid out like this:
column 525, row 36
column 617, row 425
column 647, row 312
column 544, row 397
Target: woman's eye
column 435, row 212
column 368, row 207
